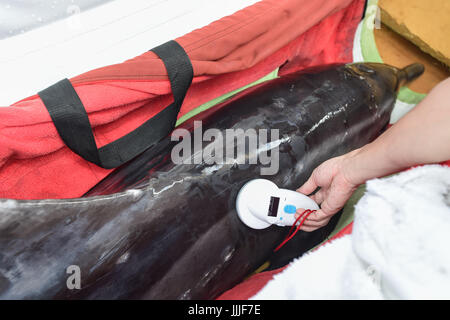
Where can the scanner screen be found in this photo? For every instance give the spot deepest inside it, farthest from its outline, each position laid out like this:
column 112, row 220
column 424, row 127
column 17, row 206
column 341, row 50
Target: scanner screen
column 273, row 207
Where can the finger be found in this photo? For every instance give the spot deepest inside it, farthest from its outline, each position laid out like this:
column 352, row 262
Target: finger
column 313, row 223
column 309, row 186
column 300, row 212
column 311, row 216
column 316, row 224
column 318, row 215
column 308, row 229
column 312, row 228
column 308, row 221
column 319, row 196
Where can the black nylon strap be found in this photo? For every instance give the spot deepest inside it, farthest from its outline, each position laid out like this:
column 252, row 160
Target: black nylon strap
column 73, row 126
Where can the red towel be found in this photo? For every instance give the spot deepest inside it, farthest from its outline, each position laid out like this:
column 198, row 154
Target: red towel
column 226, row 55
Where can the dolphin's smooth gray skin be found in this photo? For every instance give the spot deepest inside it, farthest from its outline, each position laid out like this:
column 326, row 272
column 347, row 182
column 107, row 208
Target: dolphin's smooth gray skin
column 154, row 229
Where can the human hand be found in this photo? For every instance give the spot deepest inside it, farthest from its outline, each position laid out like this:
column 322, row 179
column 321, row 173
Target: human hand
column 336, row 187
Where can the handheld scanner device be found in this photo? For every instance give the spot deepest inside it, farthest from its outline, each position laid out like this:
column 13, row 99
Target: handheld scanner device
column 260, row 203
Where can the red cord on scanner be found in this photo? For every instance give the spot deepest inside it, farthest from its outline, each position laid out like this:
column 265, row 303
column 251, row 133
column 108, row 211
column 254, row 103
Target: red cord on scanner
column 290, row 235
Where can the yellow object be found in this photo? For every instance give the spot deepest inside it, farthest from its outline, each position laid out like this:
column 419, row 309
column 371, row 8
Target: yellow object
column 424, row 23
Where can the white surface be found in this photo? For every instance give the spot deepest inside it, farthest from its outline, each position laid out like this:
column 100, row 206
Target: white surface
column 357, row 53
column 108, row 34
column 253, row 198
column 19, row 16
column 398, row 248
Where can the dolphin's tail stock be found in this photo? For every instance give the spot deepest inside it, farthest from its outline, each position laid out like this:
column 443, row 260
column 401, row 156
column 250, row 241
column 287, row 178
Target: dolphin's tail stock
column 410, row 73
column 393, row 77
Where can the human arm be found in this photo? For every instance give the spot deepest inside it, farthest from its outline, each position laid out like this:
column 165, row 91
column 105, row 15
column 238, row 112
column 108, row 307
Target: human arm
column 422, row 136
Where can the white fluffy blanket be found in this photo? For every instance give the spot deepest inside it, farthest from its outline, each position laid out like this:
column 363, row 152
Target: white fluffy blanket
column 399, row 248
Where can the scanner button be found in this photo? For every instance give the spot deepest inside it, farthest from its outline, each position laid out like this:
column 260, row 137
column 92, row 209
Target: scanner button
column 289, row 208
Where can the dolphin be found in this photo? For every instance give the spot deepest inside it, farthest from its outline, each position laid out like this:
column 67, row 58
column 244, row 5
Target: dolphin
column 156, row 228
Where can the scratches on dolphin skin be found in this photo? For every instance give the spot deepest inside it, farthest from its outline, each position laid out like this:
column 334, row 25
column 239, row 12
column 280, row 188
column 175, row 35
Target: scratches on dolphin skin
column 185, row 295
column 123, row 258
column 211, row 169
column 209, row 275
column 135, row 193
column 168, row 187
column 228, row 253
column 279, row 102
column 326, row 117
column 272, row 145
column 109, row 254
